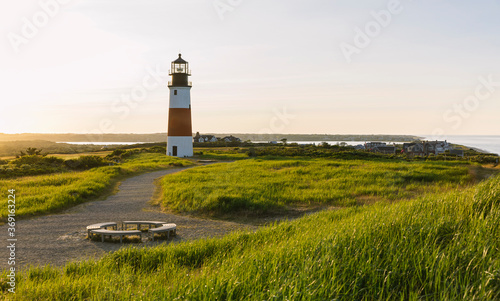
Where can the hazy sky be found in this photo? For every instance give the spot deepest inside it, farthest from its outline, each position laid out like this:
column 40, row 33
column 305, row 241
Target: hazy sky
column 336, row 67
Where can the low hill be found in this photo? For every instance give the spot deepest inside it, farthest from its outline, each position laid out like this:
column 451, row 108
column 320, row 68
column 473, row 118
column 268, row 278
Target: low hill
column 160, row 137
column 91, row 138
column 12, row 148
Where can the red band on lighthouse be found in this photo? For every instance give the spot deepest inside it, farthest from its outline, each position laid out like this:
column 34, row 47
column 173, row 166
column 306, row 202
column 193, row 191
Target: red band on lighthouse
column 179, row 122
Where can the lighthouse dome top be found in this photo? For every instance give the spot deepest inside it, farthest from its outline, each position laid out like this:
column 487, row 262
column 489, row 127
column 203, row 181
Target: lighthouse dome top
column 179, row 60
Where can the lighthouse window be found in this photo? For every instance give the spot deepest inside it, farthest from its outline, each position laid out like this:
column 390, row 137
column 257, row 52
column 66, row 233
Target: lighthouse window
column 175, row 92
column 180, row 68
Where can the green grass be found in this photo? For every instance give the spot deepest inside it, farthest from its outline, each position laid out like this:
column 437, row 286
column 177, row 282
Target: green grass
column 48, row 193
column 441, row 246
column 259, row 186
column 221, row 153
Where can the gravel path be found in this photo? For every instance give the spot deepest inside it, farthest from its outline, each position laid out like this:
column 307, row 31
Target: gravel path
column 60, row 238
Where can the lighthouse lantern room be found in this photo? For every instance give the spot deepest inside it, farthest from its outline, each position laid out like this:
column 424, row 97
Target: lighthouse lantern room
column 180, row 140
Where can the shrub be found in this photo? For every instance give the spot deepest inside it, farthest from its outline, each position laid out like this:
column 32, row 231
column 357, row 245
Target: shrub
column 120, row 154
column 251, row 152
column 117, row 153
column 86, row 162
column 38, row 160
column 30, row 165
column 157, row 149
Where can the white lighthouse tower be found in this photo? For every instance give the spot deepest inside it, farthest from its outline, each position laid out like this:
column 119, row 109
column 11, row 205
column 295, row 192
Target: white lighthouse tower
column 180, row 139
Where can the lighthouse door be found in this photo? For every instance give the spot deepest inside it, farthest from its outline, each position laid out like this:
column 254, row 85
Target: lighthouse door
column 174, row 151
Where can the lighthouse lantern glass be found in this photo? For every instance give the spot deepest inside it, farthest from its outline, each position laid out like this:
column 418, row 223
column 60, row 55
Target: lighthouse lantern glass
column 179, row 68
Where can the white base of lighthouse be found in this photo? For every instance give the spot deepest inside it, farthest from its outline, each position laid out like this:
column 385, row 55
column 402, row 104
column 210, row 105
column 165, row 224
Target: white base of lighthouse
column 180, row 146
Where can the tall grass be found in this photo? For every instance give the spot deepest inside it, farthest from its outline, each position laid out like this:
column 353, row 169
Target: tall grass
column 222, row 154
column 48, row 193
column 260, row 186
column 436, row 247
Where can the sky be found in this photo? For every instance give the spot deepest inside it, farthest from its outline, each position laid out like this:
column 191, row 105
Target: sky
column 417, row 67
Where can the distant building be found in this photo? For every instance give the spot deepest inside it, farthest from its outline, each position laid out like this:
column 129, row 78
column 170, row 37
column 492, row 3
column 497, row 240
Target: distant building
column 380, row 147
column 204, row 138
column 370, row 145
column 231, row 138
column 424, row 148
column 440, row 146
column 414, row 148
column 212, row 138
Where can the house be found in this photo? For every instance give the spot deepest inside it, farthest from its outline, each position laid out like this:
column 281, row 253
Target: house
column 424, row 148
column 204, row 138
column 414, row 148
column 370, row 145
column 212, row 138
column 231, row 138
column 439, row 147
column 380, row 147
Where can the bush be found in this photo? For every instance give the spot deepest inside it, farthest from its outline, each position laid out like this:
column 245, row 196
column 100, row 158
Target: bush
column 251, row 152
column 485, row 159
column 157, row 149
column 86, row 162
column 38, row 160
column 120, row 154
column 117, row 153
column 30, row 165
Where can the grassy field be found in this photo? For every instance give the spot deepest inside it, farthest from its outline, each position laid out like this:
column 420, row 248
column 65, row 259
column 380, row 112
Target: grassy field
column 76, row 156
column 221, row 153
column 70, row 156
column 48, row 193
column 258, row 186
column 442, row 246
column 428, row 234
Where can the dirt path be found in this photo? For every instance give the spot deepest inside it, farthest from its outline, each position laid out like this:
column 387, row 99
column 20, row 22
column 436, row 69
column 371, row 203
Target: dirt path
column 60, row 238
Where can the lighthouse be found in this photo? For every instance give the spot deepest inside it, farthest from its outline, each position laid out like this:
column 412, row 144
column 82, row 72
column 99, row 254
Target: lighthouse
column 180, row 140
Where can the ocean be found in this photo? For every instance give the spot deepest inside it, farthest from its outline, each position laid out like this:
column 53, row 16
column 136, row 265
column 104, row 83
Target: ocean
column 489, row 144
